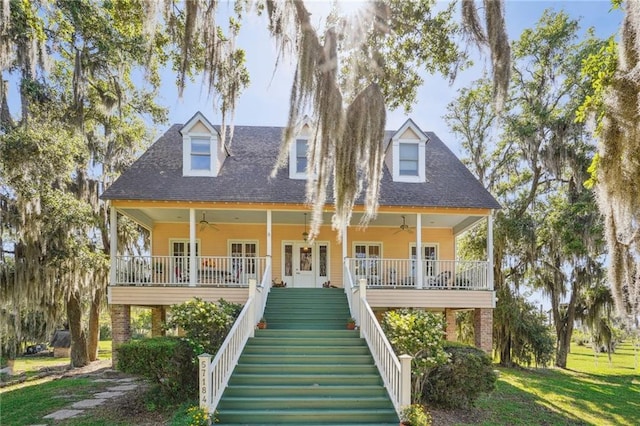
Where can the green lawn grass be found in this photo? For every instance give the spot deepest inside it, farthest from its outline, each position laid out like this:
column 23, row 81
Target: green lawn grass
column 585, row 393
column 26, row 406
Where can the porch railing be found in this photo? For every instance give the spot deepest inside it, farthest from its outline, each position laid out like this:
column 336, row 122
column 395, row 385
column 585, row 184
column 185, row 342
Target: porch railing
column 395, row 372
column 436, row 274
column 175, row 270
column 214, row 375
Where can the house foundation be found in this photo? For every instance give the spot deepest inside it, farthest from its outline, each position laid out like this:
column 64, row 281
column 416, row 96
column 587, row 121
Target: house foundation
column 450, row 330
column 158, row 319
column 120, row 329
column 483, row 329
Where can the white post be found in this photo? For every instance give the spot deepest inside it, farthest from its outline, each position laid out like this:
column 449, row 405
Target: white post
column 113, row 244
column 269, row 247
column 252, row 309
column 344, row 253
column 204, row 380
column 193, row 270
column 362, row 295
column 405, row 380
column 419, row 269
column 490, row 251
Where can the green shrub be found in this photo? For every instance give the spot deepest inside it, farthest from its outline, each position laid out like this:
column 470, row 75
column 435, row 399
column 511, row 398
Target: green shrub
column 415, row 415
column 458, row 383
column 168, row 362
column 421, row 335
column 206, row 324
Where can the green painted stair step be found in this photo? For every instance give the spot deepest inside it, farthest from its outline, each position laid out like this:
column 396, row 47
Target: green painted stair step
column 306, row 368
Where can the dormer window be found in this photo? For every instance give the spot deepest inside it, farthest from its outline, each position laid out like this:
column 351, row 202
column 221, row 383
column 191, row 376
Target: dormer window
column 302, row 145
column 408, row 152
column 299, row 150
column 407, row 159
column 202, row 151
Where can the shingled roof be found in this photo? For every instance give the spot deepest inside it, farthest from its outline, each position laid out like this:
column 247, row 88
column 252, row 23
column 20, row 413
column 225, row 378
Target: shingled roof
column 244, row 177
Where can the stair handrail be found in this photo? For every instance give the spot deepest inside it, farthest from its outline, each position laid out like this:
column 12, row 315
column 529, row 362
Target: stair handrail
column 395, row 371
column 351, row 289
column 213, row 376
column 262, row 291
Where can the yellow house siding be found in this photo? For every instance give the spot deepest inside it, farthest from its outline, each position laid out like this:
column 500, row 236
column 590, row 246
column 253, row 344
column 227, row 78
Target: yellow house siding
column 396, row 245
column 431, row 299
column 152, row 296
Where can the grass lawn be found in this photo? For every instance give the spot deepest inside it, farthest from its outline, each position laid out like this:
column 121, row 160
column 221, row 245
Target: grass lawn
column 585, row 393
column 27, row 405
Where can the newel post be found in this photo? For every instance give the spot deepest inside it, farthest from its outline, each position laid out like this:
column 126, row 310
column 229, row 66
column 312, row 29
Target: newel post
column 405, row 380
column 204, row 380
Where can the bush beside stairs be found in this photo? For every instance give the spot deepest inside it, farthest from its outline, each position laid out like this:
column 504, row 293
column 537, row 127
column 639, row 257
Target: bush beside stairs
column 306, row 367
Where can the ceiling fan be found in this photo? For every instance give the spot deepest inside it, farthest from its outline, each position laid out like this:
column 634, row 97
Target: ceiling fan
column 204, row 224
column 404, row 226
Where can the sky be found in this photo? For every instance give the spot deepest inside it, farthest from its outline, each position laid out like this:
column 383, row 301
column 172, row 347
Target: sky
column 265, row 102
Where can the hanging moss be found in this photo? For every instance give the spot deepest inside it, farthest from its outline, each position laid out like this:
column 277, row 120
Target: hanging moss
column 618, row 185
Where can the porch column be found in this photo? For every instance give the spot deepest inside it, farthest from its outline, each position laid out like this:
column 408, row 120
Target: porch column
column 120, row 329
column 269, row 247
column 113, row 244
column 344, row 254
column 420, row 275
column 193, row 274
column 158, row 318
column 483, row 329
column 490, row 251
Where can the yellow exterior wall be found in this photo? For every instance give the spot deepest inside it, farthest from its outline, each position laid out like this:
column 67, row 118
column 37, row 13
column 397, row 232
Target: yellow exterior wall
column 216, row 242
column 396, row 245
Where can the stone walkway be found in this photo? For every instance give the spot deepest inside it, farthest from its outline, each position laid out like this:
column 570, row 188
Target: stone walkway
column 120, row 387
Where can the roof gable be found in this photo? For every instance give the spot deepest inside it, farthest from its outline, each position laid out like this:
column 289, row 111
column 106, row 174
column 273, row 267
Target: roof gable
column 199, row 124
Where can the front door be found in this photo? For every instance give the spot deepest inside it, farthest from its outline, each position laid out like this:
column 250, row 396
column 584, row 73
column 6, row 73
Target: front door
column 304, row 265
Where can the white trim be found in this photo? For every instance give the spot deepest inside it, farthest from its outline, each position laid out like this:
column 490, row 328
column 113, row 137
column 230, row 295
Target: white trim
column 242, row 241
column 421, row 176
column 366, row 243
column 397, row 140
column 187, row 243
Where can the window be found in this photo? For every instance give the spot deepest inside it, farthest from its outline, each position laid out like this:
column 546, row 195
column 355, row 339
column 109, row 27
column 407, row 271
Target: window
column 298, row 158
column 408, row 154
column 180, row 252
column 200, row 153
column 302, row 145
column 368, row 255
column 430, row 256
column 408, row 161
column 243, row 259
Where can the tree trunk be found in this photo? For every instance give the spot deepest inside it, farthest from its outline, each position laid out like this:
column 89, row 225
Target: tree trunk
column 505, row 348
column 79, row 354
column 94, row 326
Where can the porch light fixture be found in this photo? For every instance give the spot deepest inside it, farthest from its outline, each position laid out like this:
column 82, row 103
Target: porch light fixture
column 305, row 234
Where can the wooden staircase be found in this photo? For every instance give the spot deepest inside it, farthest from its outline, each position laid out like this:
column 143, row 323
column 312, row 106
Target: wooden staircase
column 306, row 368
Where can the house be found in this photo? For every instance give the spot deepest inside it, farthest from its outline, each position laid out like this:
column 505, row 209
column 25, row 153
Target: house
column 217, row 220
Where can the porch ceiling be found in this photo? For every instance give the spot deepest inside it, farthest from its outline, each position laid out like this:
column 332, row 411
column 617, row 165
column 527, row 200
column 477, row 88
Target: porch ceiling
column 147, row 216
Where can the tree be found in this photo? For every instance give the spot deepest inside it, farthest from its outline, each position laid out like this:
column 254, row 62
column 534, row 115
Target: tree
column 615, row 82
column 81, row 125
column 547, row 233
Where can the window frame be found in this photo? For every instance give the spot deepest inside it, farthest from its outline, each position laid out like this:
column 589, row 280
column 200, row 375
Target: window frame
column 293, row 159
column 420, row 176
column 188, row 169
